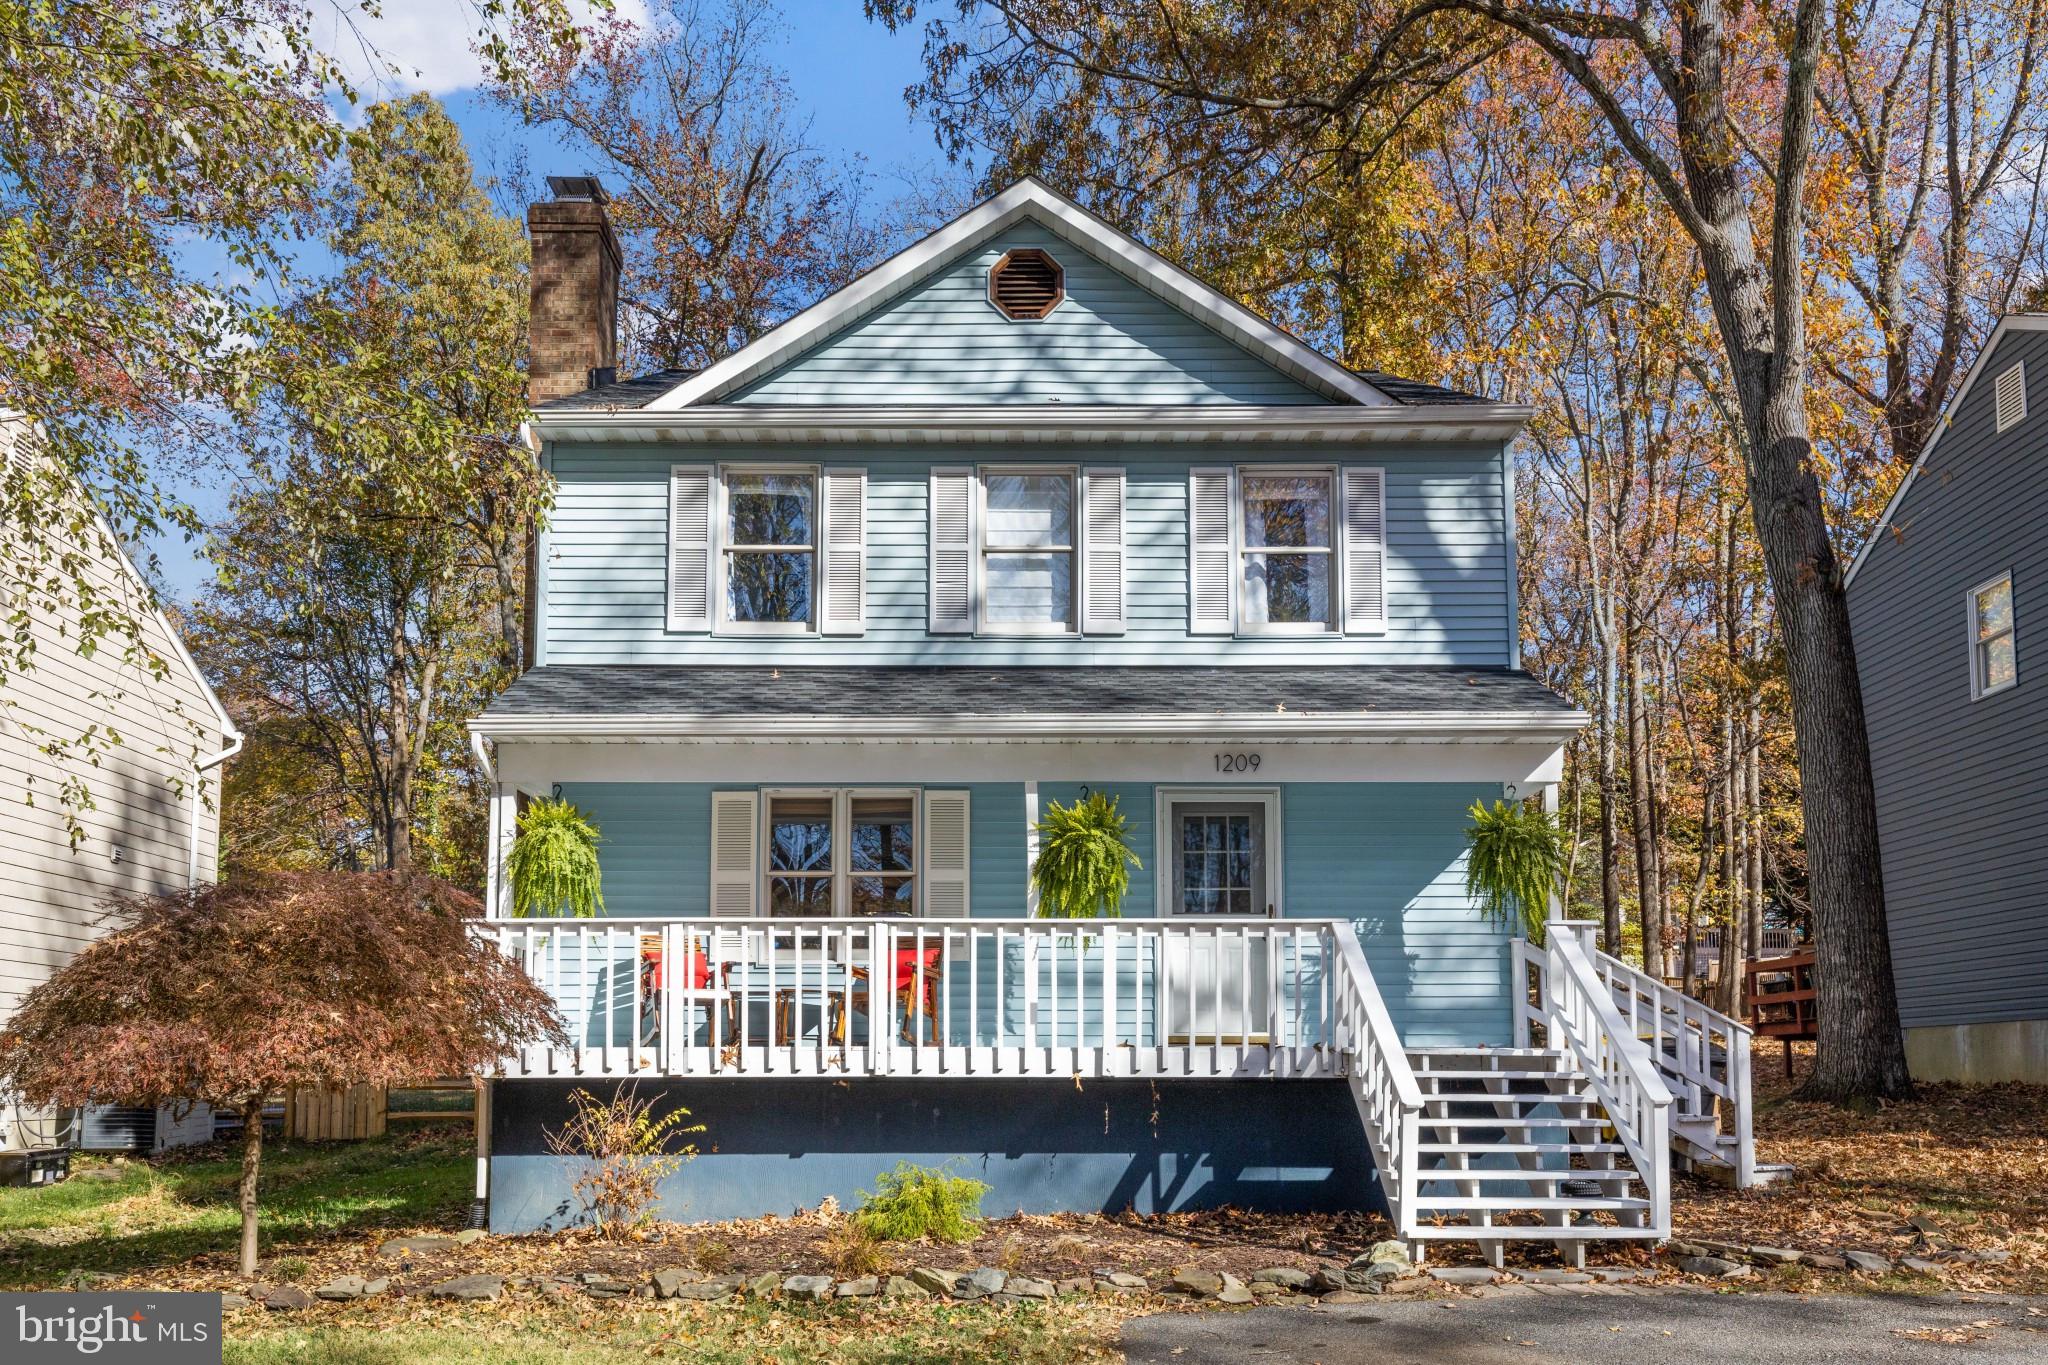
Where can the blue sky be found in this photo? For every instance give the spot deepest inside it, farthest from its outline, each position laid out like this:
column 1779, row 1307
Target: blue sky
column 847, row 75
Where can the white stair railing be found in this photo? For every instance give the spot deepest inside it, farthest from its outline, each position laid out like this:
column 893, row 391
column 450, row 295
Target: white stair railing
column 1579, row 1015
column 1703, row 1055
column 1383, row 1084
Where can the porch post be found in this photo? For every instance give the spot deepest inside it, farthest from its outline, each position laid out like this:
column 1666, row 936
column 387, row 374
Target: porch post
column 502, row 824
column 1030, row 847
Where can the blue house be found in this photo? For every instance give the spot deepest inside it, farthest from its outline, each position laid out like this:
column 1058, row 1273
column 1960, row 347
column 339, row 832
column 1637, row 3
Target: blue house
column 1023, row 514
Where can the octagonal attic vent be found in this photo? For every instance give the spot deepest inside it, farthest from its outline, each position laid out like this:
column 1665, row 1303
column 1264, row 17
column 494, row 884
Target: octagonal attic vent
column 1026, row 284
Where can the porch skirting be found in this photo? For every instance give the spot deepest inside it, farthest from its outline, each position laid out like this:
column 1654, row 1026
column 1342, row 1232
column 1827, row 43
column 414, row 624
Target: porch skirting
column 1981, row 1054
column 1043, row 1145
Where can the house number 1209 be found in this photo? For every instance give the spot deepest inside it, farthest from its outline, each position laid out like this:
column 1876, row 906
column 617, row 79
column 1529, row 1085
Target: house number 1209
column 1237, row 763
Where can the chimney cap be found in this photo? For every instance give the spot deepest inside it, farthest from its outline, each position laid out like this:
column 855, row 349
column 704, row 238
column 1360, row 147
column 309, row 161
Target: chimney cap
column 578, row 188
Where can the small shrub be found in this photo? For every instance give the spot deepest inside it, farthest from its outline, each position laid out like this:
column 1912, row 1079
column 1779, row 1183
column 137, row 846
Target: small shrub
column 291, row 1268
column 1011, row 1254
column 712, row 1256
column 855, row 1251
column 915, row 1203
column 625, row 1152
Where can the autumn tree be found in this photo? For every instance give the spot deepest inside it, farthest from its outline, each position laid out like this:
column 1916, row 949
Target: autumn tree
column 732, row 219
column 1715, row 110
column 368, row 576
column 141, row 138
column 233, row 993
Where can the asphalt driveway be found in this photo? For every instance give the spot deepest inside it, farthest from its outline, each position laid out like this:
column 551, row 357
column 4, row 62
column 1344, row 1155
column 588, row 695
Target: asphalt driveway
column 1617, row 1329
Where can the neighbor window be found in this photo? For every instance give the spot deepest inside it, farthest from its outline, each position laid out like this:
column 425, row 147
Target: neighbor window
column 1288, row 563
column 841, row 852
column 1027, row 551
column 769, row 546
column 1994, row 664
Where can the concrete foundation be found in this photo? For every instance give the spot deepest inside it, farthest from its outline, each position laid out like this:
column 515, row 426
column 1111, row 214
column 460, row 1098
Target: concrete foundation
column 2012, row 1050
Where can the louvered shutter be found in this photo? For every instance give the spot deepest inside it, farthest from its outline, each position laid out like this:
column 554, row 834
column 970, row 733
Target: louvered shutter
column 843, row 552
column 952, row 551
column 1365, row 550
column 2012, row 397
column 1210, row 567
column 945, row 854
column 1102, row 552
column 735, row 831
column 690, row 525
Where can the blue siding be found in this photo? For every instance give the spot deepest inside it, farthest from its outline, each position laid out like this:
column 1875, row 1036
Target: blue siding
column 1447, row 574
column 1109, row 342
column 656, row 850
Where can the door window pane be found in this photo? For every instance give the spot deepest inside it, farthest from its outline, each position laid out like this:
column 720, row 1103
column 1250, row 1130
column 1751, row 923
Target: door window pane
column 1221, row 867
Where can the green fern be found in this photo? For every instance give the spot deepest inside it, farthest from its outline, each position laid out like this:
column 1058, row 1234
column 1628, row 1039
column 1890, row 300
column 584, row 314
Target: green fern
column 553, row 865
column 1517, row 855
column 1084, row 862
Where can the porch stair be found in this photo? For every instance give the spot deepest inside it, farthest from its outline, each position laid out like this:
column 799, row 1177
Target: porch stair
column 1516, row 1145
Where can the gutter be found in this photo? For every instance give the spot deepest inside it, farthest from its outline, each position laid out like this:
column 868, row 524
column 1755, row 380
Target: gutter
column 1392, row 726
column 201, row 765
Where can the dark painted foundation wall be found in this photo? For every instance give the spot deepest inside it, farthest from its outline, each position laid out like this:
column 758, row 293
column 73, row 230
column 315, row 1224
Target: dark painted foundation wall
column 1042, row 1145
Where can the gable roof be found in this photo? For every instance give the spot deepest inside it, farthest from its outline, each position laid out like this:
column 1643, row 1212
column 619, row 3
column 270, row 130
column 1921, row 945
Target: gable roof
column 2011, row 322
column 1029, row 199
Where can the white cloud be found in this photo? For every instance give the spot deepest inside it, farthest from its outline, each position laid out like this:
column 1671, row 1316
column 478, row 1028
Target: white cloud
column 425, row 45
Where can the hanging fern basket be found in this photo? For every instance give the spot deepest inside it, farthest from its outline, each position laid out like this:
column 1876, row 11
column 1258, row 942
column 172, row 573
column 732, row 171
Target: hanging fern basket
column 1084, row 862
column 553, row 867
column 1516, row 858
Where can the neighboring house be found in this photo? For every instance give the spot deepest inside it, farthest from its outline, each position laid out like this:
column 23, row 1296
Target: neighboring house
column 150, row 821
column 1022, row 513
column 1942, row 599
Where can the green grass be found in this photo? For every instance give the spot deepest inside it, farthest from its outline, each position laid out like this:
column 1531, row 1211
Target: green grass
column 171, row 1211
column 873, row 1334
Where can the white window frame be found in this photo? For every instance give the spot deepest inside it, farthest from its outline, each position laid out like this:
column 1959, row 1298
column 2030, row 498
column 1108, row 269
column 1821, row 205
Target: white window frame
column 841, row 873
column 1166, row 798
column 1241, row 552
column 1979, row 688
column 982, row 551
column 722, row 551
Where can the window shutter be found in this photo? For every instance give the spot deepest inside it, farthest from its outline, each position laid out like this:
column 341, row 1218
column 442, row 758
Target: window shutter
column 1102, row 552
column 735, row 828
column 945, row 854
column 2012, row 397
column 690, row 519
column 843, row 552
column 952, row 551
column 1365, row 550
column 1210, row 570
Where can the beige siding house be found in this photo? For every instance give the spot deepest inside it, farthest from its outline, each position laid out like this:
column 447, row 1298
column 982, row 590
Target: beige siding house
column 150, row 821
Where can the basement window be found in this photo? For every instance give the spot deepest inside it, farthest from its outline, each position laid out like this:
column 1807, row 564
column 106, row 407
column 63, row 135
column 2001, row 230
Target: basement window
column 1026, row 284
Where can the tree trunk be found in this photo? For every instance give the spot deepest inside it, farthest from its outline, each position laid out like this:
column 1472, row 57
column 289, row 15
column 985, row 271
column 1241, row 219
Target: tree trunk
column 1610, row 797
column 1649, row 891
column 252, row 1156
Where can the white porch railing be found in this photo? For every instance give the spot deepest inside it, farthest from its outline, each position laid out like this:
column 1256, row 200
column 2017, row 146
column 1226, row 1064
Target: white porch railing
column 954, row 998
column 1576, row 1008
column 1383, row 1084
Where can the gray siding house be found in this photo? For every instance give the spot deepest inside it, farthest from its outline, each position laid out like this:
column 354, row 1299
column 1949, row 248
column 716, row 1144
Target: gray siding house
column 1023, row 514
column 1941, row 599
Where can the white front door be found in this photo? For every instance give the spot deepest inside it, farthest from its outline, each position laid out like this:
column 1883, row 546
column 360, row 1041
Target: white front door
column 1218, row 865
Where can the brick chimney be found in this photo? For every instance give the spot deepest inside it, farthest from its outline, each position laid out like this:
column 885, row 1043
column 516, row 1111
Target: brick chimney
column 573, row 332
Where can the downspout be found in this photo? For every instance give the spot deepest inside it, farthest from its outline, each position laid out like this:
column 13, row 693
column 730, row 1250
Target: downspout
column 199, row 767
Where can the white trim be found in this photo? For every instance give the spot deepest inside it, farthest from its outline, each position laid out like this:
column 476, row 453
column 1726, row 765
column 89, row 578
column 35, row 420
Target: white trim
column 2011, row 322
column 1078, row 423
column 1979, row 689
column 1241, row 552
column 1027, row 199
column 1030, row 846
column 839, row 875
column 1449, row 726
column 1165, row 797
column 722, row 552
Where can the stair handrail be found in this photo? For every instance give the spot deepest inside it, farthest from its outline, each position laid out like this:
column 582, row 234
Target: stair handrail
column 1384, row 1084
column 1580, row 1015
column 1690, row 1065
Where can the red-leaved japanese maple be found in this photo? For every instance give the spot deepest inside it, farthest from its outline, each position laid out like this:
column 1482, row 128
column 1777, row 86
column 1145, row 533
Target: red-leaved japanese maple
column 229, row 994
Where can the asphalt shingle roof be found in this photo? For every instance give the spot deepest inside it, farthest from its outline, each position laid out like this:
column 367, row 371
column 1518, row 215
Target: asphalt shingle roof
column 892, row 692
column 620, row 393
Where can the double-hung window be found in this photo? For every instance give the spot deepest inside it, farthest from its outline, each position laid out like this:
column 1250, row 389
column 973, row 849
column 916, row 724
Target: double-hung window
column 1287, row 562
column 1994, row 661
column 842, row 851
column 769, row 550
column 1027, row 551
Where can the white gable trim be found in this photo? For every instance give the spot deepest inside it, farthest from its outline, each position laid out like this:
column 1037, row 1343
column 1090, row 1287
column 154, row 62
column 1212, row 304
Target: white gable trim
column 1028, row 198
column 2011, row 322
